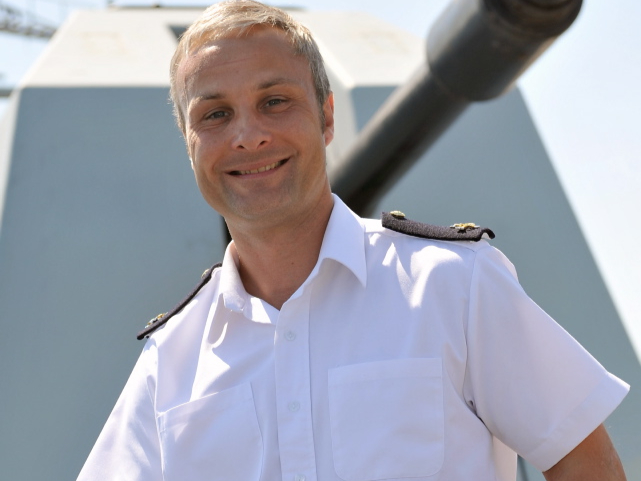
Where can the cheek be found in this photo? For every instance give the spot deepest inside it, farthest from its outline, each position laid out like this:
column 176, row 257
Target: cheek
column 200, row 149
column 206, row 155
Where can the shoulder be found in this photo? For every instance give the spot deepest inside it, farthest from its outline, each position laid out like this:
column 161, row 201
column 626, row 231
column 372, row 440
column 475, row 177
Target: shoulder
column 412, row 250
column 161, row 319
column 395, row 229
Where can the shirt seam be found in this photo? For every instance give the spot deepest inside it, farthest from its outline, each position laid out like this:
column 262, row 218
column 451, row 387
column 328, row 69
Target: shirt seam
column 152, row 397
column 466, row 327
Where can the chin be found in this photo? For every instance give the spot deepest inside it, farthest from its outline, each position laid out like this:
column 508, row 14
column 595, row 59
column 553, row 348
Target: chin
column 263, row 210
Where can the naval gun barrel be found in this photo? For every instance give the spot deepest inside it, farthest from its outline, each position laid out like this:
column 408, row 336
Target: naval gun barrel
column 475, row 51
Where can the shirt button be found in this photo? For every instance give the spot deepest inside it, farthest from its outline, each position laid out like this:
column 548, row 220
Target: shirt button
column 299, row 477
column 293, row 407
column 290, row 335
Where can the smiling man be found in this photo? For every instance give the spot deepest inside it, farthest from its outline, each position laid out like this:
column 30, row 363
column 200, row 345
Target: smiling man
column 326, row 346
column 256, row 133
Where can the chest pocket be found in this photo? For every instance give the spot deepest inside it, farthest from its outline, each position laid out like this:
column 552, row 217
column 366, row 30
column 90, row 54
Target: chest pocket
column 387, row 419
column 213, row 438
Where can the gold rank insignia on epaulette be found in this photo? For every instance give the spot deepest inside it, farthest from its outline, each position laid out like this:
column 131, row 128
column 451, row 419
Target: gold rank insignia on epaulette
column 156, row 319
column 398, row 222
column 161, row 319
column 464, row 227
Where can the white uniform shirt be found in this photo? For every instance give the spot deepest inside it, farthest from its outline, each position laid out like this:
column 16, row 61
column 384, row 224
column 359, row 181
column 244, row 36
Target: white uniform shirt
column 397, row 358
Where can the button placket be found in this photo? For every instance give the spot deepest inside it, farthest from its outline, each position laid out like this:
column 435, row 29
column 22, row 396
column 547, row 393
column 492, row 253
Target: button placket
column 293, row 392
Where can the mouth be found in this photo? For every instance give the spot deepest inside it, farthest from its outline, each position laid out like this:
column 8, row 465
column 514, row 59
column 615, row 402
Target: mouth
column 265, row 168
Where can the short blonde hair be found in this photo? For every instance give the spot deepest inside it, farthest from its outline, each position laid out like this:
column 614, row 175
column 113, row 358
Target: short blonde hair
column 234, row 18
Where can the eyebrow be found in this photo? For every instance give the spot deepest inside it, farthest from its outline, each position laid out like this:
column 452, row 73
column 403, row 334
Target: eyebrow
column 214, row 96
column 277, row 81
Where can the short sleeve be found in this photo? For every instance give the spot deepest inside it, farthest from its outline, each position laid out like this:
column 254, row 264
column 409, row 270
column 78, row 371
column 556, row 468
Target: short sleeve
column 532, row 384
column 128, row 447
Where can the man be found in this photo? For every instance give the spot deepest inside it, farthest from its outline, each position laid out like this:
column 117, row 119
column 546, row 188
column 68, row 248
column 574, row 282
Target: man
column 329, row 347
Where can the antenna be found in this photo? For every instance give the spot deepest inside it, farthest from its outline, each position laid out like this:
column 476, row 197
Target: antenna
column 15, row 21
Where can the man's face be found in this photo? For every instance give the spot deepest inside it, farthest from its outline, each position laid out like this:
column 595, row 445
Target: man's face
column 253, row 128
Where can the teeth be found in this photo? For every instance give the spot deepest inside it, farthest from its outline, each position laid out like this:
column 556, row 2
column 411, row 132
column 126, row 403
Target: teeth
column 261, row 169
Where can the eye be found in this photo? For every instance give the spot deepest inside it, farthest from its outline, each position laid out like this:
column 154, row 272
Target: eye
column 274, row 102
column 218, row 114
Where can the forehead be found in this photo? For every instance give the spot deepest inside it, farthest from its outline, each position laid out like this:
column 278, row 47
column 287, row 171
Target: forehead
column 254, row 56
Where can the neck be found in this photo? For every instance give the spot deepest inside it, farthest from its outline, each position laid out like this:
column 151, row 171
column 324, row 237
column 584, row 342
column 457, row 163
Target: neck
column 275, row 261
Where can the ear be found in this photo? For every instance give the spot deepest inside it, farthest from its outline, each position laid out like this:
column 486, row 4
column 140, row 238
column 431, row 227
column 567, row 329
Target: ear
column 328, row 111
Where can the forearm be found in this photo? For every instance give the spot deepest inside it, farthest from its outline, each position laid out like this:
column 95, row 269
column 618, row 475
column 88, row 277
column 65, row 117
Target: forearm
column 595, row 459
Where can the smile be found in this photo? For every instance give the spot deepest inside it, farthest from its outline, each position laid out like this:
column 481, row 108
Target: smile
column 260, row 169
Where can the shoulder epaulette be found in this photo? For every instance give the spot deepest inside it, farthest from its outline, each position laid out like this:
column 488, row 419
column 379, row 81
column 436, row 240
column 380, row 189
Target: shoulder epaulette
column 397, row 221
column 161, row 319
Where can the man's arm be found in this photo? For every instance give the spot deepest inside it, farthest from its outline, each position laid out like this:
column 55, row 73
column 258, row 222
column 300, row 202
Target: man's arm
column 595, row 459
column 128, row 448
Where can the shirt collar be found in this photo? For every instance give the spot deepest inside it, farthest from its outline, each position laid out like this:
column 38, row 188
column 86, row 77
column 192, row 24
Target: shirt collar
column 231, row 286
column 343, row 242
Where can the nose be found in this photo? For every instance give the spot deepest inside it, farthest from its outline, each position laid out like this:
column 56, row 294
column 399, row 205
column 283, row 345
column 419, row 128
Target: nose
column 250, row 132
